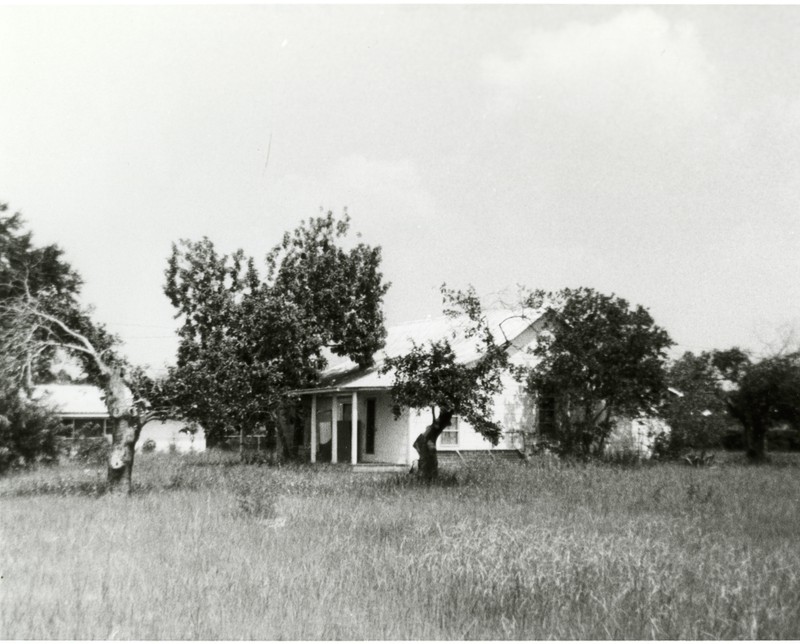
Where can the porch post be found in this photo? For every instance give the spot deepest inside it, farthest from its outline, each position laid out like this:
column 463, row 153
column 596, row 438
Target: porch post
column 314, row 428
column 411, row 438
column 354, row 430
column 334, row 430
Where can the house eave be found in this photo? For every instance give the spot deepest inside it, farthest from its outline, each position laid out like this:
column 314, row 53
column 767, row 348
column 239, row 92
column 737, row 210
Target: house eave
column 335, row 390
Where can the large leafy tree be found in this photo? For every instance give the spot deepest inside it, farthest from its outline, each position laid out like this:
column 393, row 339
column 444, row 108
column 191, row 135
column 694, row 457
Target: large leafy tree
column 600, row 359
column 29, row 272
column 695, row 410
column 431, row 377
column 246, row 339
column 27, row 431
column 760, row 394
column 40, row 314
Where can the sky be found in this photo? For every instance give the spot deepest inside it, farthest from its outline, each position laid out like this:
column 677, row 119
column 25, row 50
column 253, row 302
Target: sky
column 648, row 151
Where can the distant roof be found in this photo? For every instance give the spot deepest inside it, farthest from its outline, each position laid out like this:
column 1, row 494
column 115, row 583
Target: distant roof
column 72, row 400
column 343, row 373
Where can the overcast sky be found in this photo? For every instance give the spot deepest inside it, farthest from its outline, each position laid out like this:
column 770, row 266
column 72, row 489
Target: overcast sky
column 649, row 152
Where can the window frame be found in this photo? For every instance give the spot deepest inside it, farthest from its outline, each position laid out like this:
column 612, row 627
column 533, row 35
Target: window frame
column 451, row 432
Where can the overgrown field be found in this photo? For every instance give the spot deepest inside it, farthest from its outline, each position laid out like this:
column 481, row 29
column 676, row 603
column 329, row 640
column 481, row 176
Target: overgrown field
column 208, row 549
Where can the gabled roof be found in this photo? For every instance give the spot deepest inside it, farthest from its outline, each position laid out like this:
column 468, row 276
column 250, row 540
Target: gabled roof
column 343, row 374
column 72, row 400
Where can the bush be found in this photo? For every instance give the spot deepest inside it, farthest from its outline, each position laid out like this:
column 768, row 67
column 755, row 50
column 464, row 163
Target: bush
column 778, row 440
column 733, row 440
column 92, row 451
column 783, row 440
column 27, row 432
column 149, row 446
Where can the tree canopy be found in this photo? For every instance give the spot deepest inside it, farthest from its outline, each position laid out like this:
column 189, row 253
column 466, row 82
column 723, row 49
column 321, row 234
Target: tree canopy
column 760, row 394
column 695, row 410
column 40, row 314
column 40, row 308
column 247, row 339
column 600, row 359
column 430, row 376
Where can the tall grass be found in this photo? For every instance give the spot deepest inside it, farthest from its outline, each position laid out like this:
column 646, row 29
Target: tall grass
column 210, row 549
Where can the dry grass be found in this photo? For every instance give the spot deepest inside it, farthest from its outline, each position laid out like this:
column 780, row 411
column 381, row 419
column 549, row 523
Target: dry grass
column 208, row 549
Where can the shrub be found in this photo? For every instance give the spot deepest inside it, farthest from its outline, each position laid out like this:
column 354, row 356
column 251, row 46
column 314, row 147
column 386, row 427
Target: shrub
column 783, row 440
column 733, row 440
column 149, row 446
column 27, row 432
column 91, row 451
column 778, row 440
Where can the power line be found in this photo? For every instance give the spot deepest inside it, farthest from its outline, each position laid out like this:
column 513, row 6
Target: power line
column 149, row 326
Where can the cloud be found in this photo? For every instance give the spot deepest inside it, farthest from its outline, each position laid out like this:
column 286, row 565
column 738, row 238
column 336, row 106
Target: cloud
column 636, row 64
column 614, row 122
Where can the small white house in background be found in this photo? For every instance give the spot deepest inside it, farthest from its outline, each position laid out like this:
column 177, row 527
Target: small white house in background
column 636, row 436
column 167, row 436
column 80, row 408
column 83, row 413
column 349, row 415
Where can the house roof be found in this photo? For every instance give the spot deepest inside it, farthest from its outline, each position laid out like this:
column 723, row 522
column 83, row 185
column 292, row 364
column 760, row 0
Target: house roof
column 72, row 400
column 343, row 374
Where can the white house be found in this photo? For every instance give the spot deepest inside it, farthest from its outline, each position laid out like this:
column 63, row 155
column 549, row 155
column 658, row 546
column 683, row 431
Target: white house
column 169, row 435
column 80, row 408
column 349, row 416
column 83, row 414
column 636, row 436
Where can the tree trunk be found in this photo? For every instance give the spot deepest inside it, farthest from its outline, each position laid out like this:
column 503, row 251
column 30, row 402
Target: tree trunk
column 284, row 447
column 425, row 444
column 126, row 426
column 755, row 435
column 120, row 459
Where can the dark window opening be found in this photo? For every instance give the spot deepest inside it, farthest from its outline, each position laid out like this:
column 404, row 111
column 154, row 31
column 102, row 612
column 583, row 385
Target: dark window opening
column 547, row 415
column 369, row 448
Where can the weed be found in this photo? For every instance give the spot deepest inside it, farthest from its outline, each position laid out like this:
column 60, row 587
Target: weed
column 211, row 548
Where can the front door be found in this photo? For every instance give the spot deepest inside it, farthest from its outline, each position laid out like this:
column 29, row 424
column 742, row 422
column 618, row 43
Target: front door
column 369, row 448
column 343, row 439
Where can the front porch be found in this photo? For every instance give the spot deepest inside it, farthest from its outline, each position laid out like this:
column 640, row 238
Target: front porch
column 333, row 438
column 354, row 427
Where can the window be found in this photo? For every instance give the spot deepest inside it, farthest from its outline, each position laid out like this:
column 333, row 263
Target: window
column 324, row 424
column 370, row 446
column 66, row 428
column 450, row 434
column 548, row 426
column 89, row 427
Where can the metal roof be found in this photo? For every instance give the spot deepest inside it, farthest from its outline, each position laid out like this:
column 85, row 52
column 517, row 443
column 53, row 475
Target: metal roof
column 343, row 374
column 72, row 400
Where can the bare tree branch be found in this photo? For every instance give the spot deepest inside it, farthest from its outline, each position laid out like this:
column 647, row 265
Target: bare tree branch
column 83, row 346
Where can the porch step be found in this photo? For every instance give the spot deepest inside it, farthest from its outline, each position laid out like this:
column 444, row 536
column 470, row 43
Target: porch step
column 379, row 467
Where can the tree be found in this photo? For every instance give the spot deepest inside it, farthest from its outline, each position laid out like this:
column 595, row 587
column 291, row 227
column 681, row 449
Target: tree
column 27, row 431
column 430, row 376
column 761, row 395
column 40, row 314
column 696, row 412
column 246, row 339
column 601, row 359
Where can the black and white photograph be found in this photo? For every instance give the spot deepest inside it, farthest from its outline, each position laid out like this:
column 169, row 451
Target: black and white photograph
column 394, row 322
